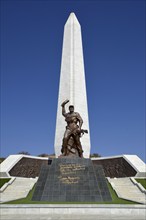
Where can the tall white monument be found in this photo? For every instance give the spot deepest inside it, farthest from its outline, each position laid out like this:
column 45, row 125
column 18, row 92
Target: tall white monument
column 72, row 83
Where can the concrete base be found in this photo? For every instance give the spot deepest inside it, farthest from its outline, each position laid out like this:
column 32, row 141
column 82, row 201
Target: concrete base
column 74, row 211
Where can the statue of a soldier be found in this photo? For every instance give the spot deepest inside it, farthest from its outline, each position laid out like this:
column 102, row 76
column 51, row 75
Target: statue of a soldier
column 71, row 141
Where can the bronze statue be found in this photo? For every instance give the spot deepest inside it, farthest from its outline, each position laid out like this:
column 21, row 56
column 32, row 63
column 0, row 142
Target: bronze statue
column 71, row 145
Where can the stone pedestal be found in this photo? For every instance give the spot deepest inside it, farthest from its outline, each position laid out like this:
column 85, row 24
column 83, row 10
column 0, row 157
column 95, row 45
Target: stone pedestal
column 71, row 180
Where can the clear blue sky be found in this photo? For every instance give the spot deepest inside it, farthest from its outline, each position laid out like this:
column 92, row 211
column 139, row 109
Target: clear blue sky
column 113, row 35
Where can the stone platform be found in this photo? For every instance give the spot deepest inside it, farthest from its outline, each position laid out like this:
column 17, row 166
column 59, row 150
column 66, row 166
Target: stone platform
column 72, row 212
column 71, row 180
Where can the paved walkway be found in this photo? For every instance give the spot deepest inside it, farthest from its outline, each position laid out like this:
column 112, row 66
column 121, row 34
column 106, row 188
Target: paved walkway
column 19, row 188
column 126, row 189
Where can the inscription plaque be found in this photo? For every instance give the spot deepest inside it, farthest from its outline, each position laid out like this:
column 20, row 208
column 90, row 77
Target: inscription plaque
column 71, row 180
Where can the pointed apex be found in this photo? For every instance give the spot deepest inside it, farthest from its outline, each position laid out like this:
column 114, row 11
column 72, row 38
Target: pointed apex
column 72, row 14
column 72, row 19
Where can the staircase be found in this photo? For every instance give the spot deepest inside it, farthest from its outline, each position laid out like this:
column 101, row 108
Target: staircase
column 126, row 189
column 19, row 188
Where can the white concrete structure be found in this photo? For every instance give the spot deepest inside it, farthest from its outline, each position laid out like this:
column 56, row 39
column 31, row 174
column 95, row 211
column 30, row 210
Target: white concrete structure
column 11, row 161
column 138, row 165
column 8, row 164
column 133, row 160
column 72, row 83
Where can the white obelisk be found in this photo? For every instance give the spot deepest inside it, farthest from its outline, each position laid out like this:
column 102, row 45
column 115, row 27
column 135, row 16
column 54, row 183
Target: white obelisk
column 72, row 84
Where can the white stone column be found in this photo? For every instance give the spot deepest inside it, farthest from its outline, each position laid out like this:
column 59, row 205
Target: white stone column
column 72, row 83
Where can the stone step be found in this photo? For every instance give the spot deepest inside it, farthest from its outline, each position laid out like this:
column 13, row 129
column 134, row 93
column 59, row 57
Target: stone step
column 126, row 189
column 71, row 217
column 19, row 188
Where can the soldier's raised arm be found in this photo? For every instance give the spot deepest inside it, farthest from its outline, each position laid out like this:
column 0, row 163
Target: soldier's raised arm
column 63, row 107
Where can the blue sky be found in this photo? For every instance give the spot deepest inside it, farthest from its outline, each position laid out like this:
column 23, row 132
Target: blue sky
column 113, row 35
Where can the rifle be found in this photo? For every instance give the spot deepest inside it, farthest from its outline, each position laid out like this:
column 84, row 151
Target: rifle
column 84, row 131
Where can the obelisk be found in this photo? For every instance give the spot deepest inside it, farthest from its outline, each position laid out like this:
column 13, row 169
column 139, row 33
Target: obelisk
column 72, row 83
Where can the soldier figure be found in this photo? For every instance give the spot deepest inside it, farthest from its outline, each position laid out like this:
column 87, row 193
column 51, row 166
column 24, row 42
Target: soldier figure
column 71, row 140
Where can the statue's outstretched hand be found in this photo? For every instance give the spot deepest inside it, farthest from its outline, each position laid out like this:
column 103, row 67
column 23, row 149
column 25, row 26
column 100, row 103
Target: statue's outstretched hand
column 65, row 102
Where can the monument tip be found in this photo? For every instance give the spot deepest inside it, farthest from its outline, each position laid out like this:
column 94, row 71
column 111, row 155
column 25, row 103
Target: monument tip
column 72, row 13
column 72, row 19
